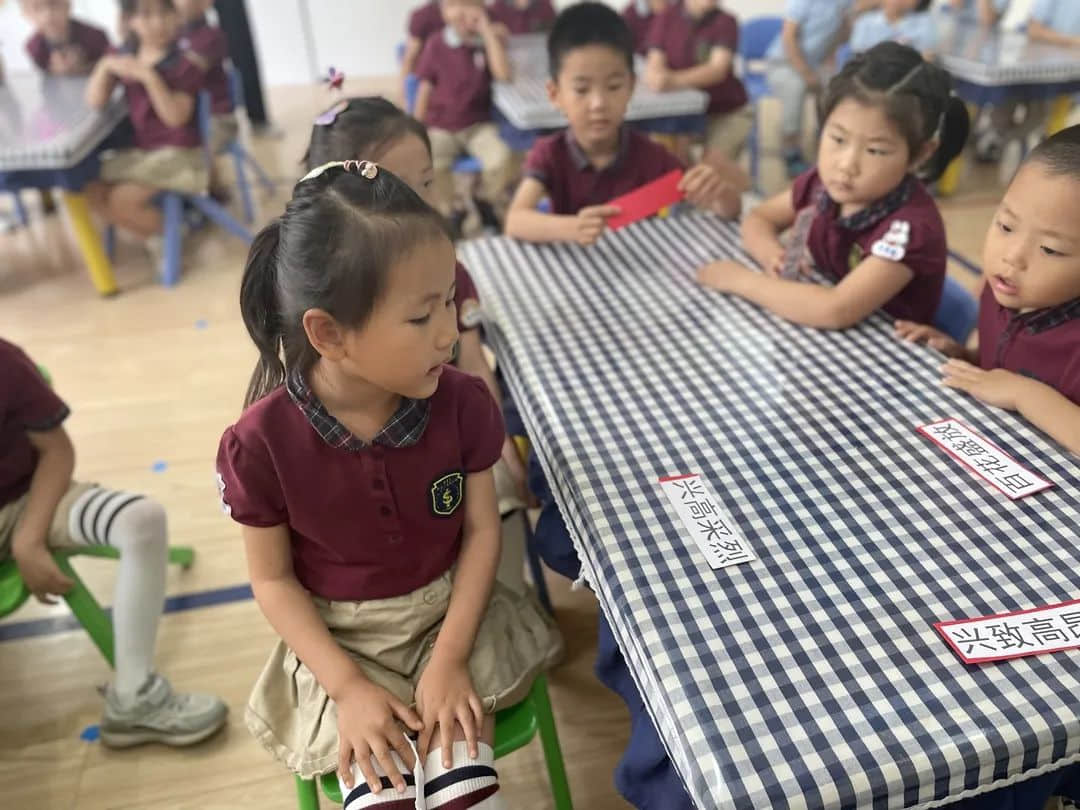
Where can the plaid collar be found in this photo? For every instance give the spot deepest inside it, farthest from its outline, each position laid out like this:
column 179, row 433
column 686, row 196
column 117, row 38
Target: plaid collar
column 404, row 429
column 455, row 40
column 1041, row 320
column 873, row 213
column 581, row 160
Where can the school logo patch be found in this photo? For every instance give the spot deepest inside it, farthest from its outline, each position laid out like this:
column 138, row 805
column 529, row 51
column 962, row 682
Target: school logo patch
column 893, row 245
column 855, row 256
column 447, row 493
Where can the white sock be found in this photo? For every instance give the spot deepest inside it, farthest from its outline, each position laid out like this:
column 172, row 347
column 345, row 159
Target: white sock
column 474, row 780
column 360, row 795
column 137, row 527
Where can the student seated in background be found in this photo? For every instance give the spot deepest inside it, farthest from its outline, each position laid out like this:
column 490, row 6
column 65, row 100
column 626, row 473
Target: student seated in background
column 523, row 16
column 456, row 69
column 693, row 45
column 423, row 22
column 813, row 30
column 1056, row 22
column 160, row 85
column 905, row 21
column 61, row 45
column 639, row 16
column 1028, row 359
column 598, row 157
column 862, row 218
column 984, row 12
column 42, row 509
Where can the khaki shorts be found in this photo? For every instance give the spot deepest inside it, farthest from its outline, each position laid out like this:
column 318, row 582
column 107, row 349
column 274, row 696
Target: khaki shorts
column 223, row 130
column 169, row 168
column 392, row 640
column 727, row 133
column 59, row 535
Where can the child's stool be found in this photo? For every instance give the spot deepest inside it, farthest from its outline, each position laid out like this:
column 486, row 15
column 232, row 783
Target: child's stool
column 514, row 728
column 96, row 622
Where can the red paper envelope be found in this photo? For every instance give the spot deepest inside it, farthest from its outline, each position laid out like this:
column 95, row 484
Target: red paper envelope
column 647, row 200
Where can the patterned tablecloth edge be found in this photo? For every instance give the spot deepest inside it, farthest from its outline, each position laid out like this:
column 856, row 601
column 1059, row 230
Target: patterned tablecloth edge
column 59, row 160
column 1008, row 781
column 968, row 70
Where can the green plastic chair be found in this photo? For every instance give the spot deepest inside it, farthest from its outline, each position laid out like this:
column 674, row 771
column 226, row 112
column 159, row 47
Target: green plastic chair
column 514, row 728
column 96, row 622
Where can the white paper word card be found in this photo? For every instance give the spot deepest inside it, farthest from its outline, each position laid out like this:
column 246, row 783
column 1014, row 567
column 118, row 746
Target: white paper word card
column 984, row 458
column 1014, row 635
column 705, row 522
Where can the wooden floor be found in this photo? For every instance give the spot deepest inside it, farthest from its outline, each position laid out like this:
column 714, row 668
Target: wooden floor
column 153, row 376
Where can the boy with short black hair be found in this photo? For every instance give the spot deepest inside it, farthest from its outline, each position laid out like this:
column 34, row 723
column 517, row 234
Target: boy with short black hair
column 598, row 157
column 1028, row 358
column 62, row 45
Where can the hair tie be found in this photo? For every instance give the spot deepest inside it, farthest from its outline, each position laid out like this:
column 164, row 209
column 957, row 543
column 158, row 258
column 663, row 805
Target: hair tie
column 330, row 116
column 334, row 78
column 364, row 168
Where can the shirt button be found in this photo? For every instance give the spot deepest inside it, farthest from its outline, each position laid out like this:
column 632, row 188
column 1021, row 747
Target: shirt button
column 429, row 598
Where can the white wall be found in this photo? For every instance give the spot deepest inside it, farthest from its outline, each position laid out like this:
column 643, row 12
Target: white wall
column 14, row 31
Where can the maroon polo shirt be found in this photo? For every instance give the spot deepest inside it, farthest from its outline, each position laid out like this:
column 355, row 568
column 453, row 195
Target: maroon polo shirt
column 639, row 25
column 910, row 232
column 1043, row 344
column 573, row 183
column 27, row 404
column 151, row 132
column 689, row 42
column 425, row 21
column 460, row 82
column 91, row 42
column 208, row 43
column 537, row 16
column 466, row 298
column 367, row 521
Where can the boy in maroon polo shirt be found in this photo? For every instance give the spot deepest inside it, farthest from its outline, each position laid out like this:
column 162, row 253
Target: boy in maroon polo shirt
column 1028, row 358
column 43, row 509
column 423, row 22
column 639, row 16
column 456, row 69
column 160, row 84
column 693, row 44
column 523, row 16
column 204, row 45
column 598, row 157
column 62, row 46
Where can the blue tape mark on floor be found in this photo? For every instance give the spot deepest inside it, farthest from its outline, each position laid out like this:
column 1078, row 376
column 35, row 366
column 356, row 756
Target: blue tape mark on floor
column 173, row 604
column 201, row 324
column 91, row 733
column 159, row 466
column 965, row 262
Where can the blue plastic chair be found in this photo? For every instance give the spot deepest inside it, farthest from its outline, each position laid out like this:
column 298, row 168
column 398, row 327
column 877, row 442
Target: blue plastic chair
column 958, row 312
column 755, row 38
column 843, row 54
column 21, row 216
column 242, row 158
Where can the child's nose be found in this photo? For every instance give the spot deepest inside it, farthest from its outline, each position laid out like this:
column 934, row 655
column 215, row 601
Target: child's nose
column 448, row 330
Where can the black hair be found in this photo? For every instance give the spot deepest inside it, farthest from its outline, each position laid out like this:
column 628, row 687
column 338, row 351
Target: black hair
column 332, row 249
column 130, row 7
column 923, row 5
column 585, row 24
column 916, row 96
column 361, row 131
column 1060, row 153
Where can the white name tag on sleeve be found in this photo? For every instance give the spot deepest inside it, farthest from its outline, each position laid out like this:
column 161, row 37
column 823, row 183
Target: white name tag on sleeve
column 984, row 458
column 1014, row 635
column 707, row 525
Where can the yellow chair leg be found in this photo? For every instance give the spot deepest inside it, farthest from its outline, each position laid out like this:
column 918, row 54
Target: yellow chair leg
column 1059, row 114
column 90, row 243
column 951, row 178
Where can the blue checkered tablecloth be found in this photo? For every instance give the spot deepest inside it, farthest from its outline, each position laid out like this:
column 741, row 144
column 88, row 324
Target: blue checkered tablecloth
column 811, row 678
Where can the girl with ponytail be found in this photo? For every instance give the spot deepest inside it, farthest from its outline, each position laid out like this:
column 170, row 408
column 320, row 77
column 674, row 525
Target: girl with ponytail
column 862, row 218
column 360, row 472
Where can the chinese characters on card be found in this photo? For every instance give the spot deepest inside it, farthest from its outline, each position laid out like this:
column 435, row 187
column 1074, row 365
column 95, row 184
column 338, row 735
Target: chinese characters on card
column 1013, row 635
column 706, row 523
column 984, row 458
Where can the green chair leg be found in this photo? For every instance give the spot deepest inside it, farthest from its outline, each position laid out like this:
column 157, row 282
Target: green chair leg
column 307, row 794
column 183, row 556
column 549, row 738
column 85, row 608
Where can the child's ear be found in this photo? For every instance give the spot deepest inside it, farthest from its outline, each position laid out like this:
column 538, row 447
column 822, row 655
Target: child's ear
column 928, row 150
column 324, row 334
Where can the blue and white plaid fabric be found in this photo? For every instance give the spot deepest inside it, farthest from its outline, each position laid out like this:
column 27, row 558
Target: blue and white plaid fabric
column 811, row 678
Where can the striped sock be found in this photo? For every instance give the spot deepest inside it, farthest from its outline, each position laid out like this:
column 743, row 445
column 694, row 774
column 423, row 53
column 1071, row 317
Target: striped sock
column 468, row 783
column 388, row 798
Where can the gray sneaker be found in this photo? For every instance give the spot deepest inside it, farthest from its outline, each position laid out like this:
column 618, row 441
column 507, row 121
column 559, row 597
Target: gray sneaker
column 160, row 715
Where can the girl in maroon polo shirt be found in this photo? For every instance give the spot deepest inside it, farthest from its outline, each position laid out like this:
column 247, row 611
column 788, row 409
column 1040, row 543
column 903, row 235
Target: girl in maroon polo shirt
column 160, row 84
column 862, row 218
column 361, row 474
column 373, row 128
column 1028, row 356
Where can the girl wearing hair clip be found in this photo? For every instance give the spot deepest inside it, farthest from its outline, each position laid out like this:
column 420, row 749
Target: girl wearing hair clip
column 360, row 471
column 862, row 218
